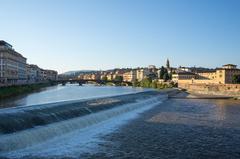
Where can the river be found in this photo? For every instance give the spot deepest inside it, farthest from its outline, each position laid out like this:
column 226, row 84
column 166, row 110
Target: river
column 65, row 93
column 122, row 122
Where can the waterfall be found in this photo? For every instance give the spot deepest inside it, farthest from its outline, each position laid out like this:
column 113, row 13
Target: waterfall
column 29, row 137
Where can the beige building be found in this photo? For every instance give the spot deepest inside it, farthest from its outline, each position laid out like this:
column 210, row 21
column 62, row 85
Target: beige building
column 222, row 75
column 109, row 76
column 12, row 65
column 96, row 76
column 183, row 76
column 93, row 76
column 225, row 74
column 103, row 77
column 118, row 74
column 142, row 73
column 130, row 76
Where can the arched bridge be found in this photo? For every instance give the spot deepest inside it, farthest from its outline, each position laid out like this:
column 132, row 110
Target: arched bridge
column 85, row 81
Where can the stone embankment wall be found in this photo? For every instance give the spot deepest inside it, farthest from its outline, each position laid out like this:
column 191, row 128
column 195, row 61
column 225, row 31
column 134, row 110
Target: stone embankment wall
column 213, row 89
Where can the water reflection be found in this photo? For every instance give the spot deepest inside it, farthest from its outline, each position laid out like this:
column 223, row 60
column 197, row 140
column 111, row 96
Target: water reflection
column 214, row 113
column 65, row 93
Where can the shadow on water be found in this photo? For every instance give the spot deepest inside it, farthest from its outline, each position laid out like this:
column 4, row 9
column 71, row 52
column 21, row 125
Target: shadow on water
column 21, row 99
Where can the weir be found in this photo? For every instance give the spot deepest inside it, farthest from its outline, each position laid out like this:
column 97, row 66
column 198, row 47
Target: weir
column 27, row 126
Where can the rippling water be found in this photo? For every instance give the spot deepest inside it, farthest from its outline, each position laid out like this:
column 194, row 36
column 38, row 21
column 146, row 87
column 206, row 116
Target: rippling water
column 143, row 125
column 178, row 129
column 66, row 93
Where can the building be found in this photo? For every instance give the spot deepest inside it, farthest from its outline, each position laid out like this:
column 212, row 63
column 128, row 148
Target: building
column 13, row 68
column 81, row 76
column 130, row 76
column 182, row 76
column 118, row 73
column 51, row 75
column 110, row 76
column 184, row 69
column 103, row 77
column 142, row 73
column 96, row 76
column 152, row 68
column 42, row 75
column 229, row 66
column 223, row 75
column 33, row 73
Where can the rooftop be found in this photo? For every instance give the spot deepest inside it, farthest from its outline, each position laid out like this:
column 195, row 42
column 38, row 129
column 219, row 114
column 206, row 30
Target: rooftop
column 4, row 43
column 206, row 71
column 230, row 65
column 186, row 73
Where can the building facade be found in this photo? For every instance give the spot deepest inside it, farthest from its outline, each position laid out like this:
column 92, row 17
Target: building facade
column 223, row 75
column 51, row 75
column 13, row 68
column 33, row 73
column 130, row 76
column 142, row 73
column 178, row 77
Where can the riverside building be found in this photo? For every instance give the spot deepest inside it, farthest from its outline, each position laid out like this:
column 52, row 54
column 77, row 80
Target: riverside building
column 130, row 76
column 142, row 73
column 223, row 75
column 12, row 65
column 33, row 73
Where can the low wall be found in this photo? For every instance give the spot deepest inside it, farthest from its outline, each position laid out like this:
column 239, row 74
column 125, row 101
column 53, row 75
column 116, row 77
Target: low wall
column 212, row 89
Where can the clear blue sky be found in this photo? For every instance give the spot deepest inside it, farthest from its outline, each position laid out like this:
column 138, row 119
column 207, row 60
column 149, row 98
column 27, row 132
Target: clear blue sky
column 103, row 34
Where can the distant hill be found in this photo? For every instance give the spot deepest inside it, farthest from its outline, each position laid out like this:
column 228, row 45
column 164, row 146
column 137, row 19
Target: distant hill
column 71, row 73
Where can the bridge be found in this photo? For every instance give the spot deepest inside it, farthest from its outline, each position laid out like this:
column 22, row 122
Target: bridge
column 100, row 82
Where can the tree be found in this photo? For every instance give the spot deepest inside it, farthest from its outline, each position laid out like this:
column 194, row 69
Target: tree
column 104, row 78
column 162, row 71
column 236, row 79
column 136, row 83
column 146, row 82
column 154, row 84
column 168, row 64
column 170, row 76
column 165, row 76
column 118, row 79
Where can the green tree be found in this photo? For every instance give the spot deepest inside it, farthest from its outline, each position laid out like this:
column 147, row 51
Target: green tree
column 104, row 78
column 165, row 75
column 236, row 79
column 146, row 82
column 160, row 86
column 162, row 71
column 168, row 64
column 136, row 83
column 118, row 79
column 170, row 76
column 154, row 84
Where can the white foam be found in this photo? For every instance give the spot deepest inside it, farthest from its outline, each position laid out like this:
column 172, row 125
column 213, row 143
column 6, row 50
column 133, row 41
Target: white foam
column 84, row 139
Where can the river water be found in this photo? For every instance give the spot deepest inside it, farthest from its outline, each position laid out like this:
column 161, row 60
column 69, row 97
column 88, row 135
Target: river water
column 66, row 93
column 135, row 123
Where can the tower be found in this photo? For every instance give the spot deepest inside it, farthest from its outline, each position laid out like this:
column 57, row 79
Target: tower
column 168, row 64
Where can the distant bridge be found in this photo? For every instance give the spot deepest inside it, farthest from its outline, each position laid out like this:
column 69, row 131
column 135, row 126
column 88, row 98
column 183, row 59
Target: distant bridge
column 100, row 82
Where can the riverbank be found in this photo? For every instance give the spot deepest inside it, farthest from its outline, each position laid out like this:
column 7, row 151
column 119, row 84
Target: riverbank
column 212, row 90
column 6, row 92
column 191, row 95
